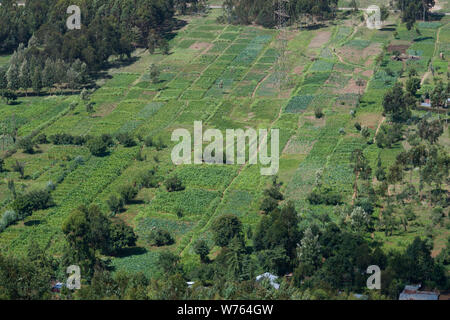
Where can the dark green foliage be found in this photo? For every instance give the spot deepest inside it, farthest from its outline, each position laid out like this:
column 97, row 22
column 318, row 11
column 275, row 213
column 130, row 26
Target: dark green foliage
column 115, row 203
column 126, row 139
column 26, row 203
column 397, row 104
column 128, row 192
column 201, row 248
column 159, row 237
column 174, row 184
column 97, row 146
column 120, row 236
column 27, row 145
column 324, row 195
column 225, row 228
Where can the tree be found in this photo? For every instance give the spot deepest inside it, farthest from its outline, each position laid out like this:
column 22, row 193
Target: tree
column 397, row 104
column 121, row 235
column 201, row 248
column 97, row 146
column 128, row 192
column 154, row 73
column 36, row 81
column 173, row 184
column 24, row 75
column 308, row 251
column 9, row 96
column 430, row 131
column 12, row 75
column 20, row 168
column 225, row 228
column 126, row 139
column 381, row 172
column 168, row 262
column 360, row 220
column 115, row 204
column 412, row 85
column 27, row 145
column 439, row 96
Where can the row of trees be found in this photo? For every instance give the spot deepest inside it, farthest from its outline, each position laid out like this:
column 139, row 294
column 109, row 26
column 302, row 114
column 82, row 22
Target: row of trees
column 263, row 12
column 27, row 70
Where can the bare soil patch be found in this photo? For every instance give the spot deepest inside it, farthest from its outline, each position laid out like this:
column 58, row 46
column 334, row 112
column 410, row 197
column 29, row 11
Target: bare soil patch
column 105, row 109
column 320, row 39
column 399, row 47
column 204, row 46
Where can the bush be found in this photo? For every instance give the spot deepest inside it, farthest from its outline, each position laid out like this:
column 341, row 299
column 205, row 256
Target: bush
column 148, row 180
column 174, row 184
column 8, row 218
column 160, row 237
column 120, row 236
column 201, row 248
column 27, row 145
column 61, row 139
column 358, row 126
column 31, row 201
column 41, row 139
column 2, row 165
column 97, row 146
column 269, row 204
column 115, row 203
column 318, row 113
column 128, row 193
column 324, row 195
column 126, row 139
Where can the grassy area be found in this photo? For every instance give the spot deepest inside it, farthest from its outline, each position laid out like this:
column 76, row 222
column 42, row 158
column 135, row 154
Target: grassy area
column 223, row 75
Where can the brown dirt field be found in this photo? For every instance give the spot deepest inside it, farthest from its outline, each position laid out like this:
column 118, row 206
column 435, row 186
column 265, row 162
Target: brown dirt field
column 400, row 48
column 320, row 39
column 351, row 87
column 367, row 73
column 105, row 109
column 205, row 46
column 368, row 120
column 298, row 70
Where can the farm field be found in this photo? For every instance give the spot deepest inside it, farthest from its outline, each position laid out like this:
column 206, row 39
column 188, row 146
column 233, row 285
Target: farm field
column 225, row 76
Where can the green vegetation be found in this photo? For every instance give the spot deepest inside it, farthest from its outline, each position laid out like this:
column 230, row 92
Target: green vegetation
column 86, row 175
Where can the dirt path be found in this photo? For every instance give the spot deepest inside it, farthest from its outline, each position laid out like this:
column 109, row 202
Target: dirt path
column 260, row 82
column 378, row 128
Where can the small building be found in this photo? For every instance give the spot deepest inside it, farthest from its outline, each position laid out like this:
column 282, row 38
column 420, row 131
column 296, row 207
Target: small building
column 57, row 286
column 426, row 103
column 412, row 292
column 272, row 279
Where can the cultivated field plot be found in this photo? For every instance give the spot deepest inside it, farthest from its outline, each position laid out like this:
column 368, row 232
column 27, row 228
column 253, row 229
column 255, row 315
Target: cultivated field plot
column 224, row 76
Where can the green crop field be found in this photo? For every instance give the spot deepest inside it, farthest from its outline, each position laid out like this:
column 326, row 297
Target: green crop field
column 226, row 76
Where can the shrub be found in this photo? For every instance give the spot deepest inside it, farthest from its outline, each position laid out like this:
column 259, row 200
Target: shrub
column 2, row 165
column 31, row 201
column 126, row 139
column 324, row 195
column 174, row 184
column 160, row 237
column 120, row 236
column 8, row 218
column 41, row 139
column 115, row 203
column 97, row 146
column 201, row 248
column 148, row 141
column 358, row 126
column 19, row 167
column 225, row 228
column 148, row 180
column 27, row 145
column 128, row 193
column 269, row 204
column 318, row 113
